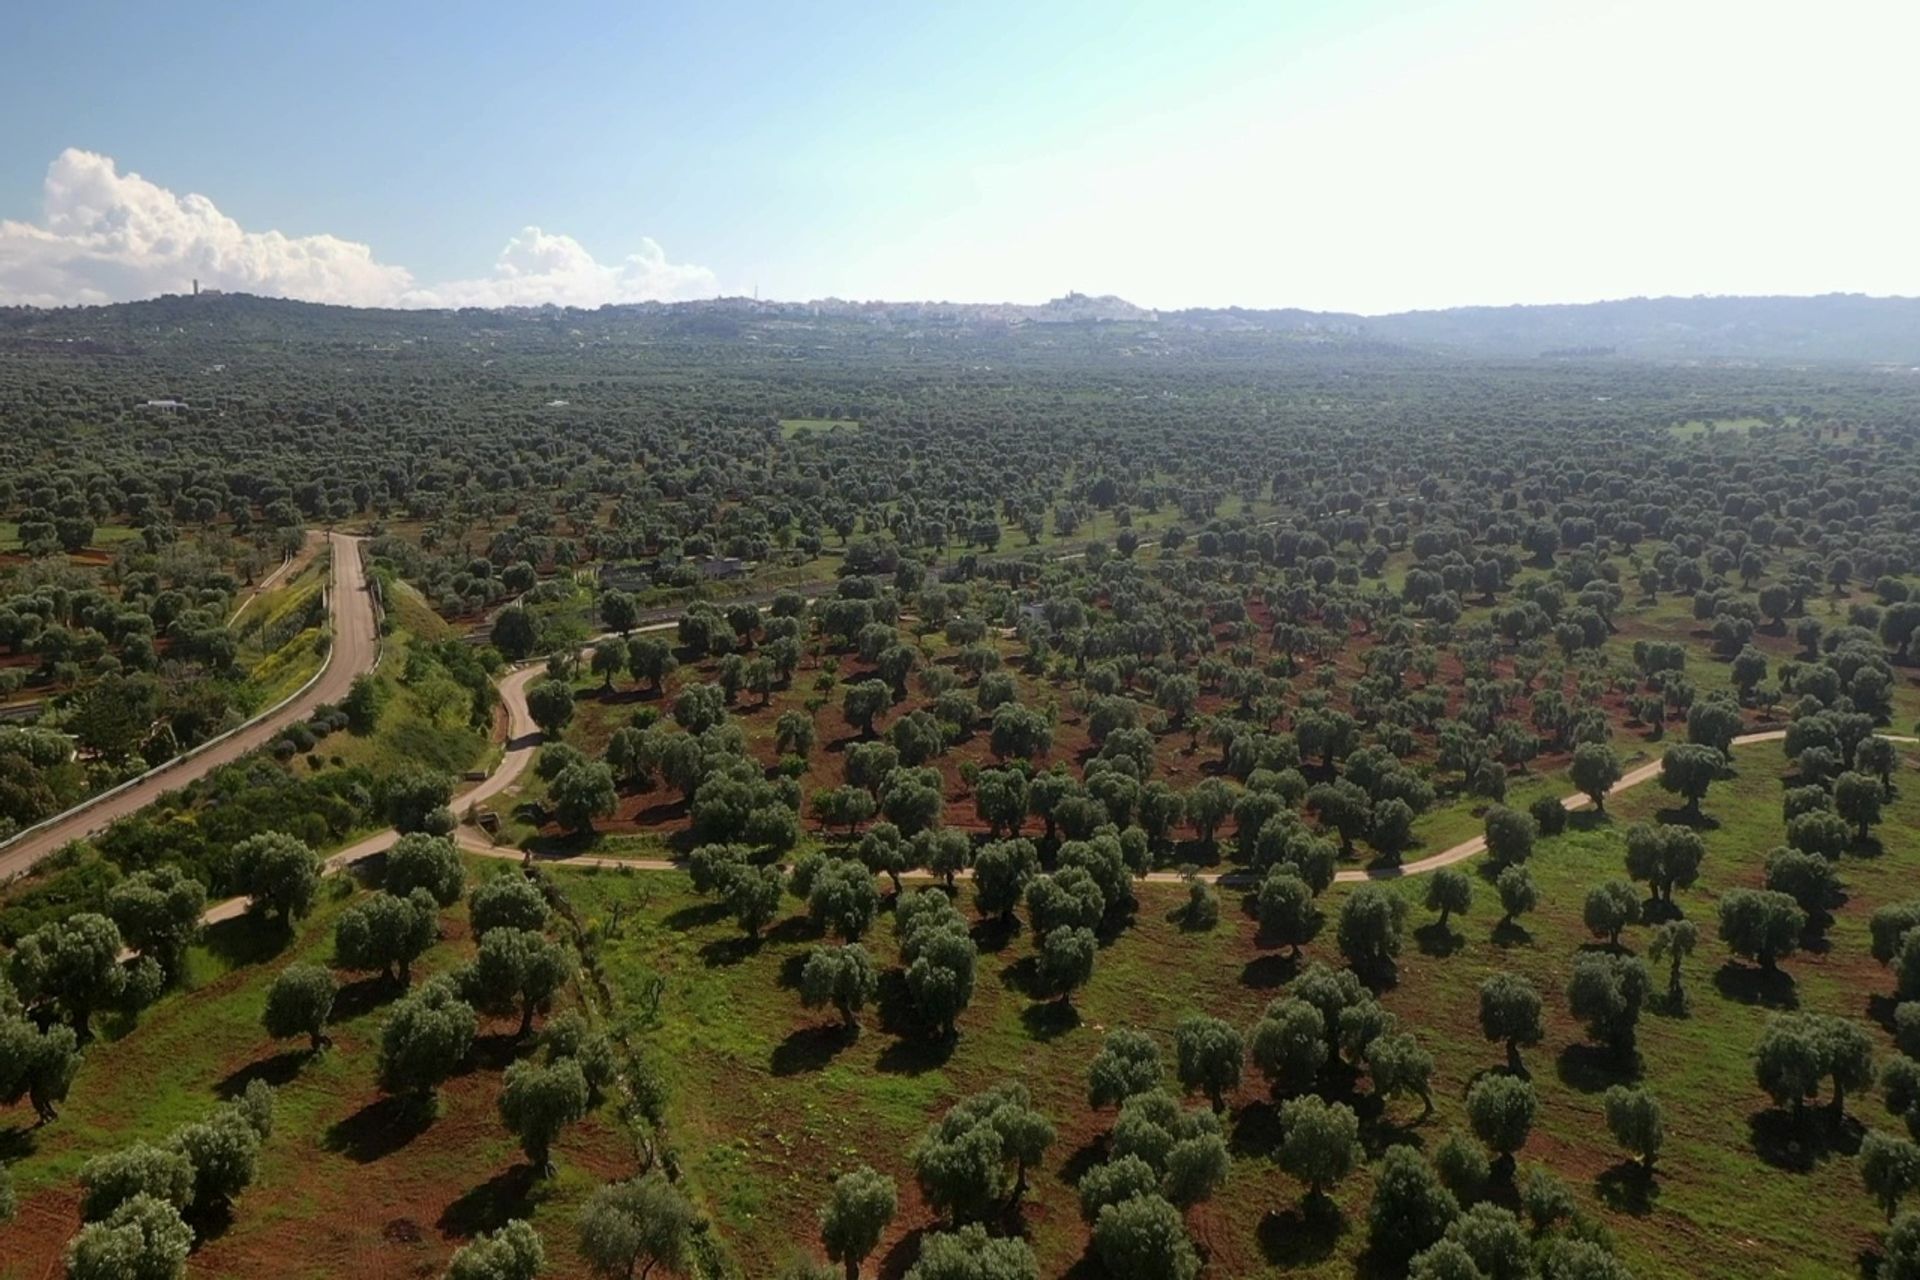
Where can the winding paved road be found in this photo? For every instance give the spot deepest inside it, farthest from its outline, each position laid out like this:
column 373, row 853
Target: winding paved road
column 355, row 649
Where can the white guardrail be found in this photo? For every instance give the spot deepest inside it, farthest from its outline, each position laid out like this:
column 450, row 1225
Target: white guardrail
column 326, row 595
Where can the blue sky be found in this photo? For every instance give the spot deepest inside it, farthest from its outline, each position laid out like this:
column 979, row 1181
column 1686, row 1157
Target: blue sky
column 1362, row 155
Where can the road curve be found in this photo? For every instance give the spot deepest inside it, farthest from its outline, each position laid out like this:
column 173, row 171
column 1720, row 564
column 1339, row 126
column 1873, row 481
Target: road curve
column 355, row 649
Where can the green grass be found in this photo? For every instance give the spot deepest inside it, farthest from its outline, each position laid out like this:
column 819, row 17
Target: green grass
column 1719, row 426
column 791, row 427
column 766, row 1107
column 274, row 673
column 421, row 724
column 105, row 535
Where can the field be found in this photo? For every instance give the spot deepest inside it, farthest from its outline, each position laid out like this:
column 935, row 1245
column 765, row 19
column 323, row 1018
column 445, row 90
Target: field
column 791, row 427
column 769, row 1097
column 1210, row 595
column 350, row 1182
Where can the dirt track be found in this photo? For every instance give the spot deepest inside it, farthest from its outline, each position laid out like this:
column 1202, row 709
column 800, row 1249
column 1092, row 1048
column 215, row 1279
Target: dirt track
column 356, row 647
column 528, row 743
column 523, row 740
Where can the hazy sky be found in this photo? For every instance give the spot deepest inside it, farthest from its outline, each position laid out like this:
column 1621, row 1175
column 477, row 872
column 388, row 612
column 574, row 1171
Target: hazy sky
column 1357, row 155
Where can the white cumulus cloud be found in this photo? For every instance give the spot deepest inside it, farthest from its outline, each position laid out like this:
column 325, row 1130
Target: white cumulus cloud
column 105, row 236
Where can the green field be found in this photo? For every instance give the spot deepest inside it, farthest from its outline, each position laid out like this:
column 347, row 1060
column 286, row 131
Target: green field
column 105, row 535
column 1717, row 426
column 769, row 1102
column 348, row 1183
column 791, row 427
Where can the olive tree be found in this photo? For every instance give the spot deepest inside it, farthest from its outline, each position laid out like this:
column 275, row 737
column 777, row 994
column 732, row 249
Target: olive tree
column 1208, row 1054
column 278, row 873
column 1510, row 1012
column 969, row 1253
column 508, row 901
column 386, row 933
column 842, row 976
column 1320, row 1142
column 514, row 1252
column 1606, row 993
column 1761, row 924
column 517, row 971
column 1128, row 1063
column 537, row 1101
column 1370, row 926
column 421, row 861
column 73, row 965
column 158, row 914
column 109, row 1181
column 856, row 1216
column 425, row 1039
column 1594, row 770
column 143, row 1239
column 299, row 1003
column 1501, row 1109
column 1144, row 1238
column 1448, row 891
column 1609, row 909
column 629, row 1228
column 1634, row 1119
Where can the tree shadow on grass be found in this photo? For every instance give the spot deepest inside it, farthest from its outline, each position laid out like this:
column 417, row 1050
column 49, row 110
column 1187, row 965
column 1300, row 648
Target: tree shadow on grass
column 808, row 1049
column 247, row 939
column 696, row 916
column 209, row 1221
column 498, row 1051
column 1509, row 933
column 995, row 933
column 1669, row 1005
column 898, row 1259
column 1264, row 973
column 276, row 1071
column 1023, row 976
column 1658, row 911
column 1683, row 817
column 1301, row 1236
column 1384, row 1132
column 1750, row 984
column 380, row 1128
column 1628, row 1187
column 1438, row 940
column 1049, row 1019
column 16, row 1143
column 1593, row 1068
column 489, row 1206
column 915, row 1055
column 795, row 929
column 1798, row 1144
column 359, row 998
column 1255, row 1130
column 1880, row 1010
column 1092, row 1152
column 791, row 970
column 724, row 953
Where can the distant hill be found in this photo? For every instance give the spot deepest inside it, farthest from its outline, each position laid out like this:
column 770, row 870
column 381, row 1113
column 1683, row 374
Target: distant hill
column 1835, row 326
column 1849, row 328
column 1832, row 327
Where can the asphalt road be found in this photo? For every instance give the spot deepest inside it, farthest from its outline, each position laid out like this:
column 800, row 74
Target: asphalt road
column 356, row 647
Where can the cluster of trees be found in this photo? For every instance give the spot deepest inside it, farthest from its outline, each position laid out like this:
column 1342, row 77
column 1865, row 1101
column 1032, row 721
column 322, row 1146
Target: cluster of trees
column 124, row 665
column 138, row 1202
